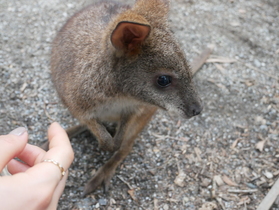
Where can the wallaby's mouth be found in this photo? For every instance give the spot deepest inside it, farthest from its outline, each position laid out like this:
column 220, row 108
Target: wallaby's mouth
column 184, row 112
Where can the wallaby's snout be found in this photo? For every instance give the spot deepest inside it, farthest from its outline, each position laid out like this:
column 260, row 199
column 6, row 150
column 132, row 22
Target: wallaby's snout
column 191, row 108
column 196, row 108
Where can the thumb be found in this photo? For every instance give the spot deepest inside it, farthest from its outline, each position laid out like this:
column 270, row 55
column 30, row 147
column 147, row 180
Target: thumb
column 11, row 145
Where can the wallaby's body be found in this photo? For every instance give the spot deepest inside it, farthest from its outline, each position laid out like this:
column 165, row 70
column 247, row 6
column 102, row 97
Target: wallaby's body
column 115, row 64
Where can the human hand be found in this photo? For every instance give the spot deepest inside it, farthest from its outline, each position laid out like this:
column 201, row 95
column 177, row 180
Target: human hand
column 34, row 184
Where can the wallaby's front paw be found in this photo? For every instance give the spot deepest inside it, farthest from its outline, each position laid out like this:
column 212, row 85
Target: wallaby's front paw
column 107, row 143
column 117, row 143
column 110, row 144
column 102, row 177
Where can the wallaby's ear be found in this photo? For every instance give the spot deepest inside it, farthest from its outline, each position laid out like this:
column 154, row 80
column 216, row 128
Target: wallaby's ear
column 129, row 36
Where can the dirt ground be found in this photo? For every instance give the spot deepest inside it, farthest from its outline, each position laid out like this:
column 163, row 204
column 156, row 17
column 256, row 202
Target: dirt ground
column 225, row 158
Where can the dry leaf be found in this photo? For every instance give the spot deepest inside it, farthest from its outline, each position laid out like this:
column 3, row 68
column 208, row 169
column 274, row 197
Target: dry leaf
column 132, row 194
column 220, row 60
column 198, row 153
column 184, row 139
column 249, row 83
column 178, row 124
column 23, row 87
column 93, row 172
column 112, row 201
column 260, row 145
column 235, row 143
column 276, row 173
column 244, row 200
column 156, row 205
column 156, row 150
column 219, row 181
column 179, row 180
column 218, row 85
column 205, row 182
column 228, row 181
column 220, row 68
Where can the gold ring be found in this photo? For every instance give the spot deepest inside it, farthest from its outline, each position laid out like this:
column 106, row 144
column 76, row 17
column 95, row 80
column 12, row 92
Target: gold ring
column 57, row 164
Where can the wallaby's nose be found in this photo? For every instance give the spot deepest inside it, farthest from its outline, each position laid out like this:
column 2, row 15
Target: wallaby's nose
column 196, row 108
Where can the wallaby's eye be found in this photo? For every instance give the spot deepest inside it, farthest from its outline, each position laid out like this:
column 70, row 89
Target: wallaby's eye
column 164, row 80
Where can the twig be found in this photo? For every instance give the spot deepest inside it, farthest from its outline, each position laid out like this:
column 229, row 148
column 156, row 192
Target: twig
column 172, row 200
column 47, row 114
column 220, row 203
column 221, row 60
column 213, row 190
column 156, row 206
column 242, row 191
column 270, row 197
column 200, row 60
column 260, row 71
column 161, row 137
column 127, row 183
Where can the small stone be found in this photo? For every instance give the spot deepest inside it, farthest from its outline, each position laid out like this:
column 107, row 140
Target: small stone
column 112, row 201
column 268, row 174
column 250, row 185
column 166, row 207
column 260, row 120
column 185, row 200
column 263, row 127
column 153, row 171
column 179, row 180
column 257, row 63
column 103, row 202
column 206, row 182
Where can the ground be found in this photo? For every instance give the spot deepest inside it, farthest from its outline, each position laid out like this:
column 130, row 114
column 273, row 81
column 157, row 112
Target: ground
column 225, row 158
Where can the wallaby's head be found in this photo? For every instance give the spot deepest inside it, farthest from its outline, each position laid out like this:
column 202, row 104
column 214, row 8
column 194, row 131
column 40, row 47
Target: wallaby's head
column 148, row 62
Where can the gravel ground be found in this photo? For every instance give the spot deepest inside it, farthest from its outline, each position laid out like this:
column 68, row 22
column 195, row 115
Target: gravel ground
column 225, row 158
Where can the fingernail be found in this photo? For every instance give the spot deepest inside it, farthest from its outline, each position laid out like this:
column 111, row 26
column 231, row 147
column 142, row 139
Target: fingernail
column 18, row 131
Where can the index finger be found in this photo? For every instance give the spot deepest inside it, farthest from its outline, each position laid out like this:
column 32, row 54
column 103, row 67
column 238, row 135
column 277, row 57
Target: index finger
column 60, row 148
column 11, row 145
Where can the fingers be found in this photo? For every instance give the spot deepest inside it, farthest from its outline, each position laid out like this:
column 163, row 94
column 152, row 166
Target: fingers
column 42, row 178
column 60, row 148
column 57, row 193
column 15, row 167
column 60, row 151
column 29, row 155
column 11, row 145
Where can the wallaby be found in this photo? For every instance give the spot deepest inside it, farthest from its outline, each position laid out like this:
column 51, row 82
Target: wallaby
column 116, row 64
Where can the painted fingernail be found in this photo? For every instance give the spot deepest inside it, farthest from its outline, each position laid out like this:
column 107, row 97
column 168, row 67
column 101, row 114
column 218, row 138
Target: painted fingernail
column 18, row 131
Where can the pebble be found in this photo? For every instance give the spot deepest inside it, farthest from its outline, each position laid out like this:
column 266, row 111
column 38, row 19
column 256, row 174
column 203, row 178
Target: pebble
column 252, row 186
column 103, row 202
column 268, row 174
column 257, row 63
column 264, row 127
column 166, row 207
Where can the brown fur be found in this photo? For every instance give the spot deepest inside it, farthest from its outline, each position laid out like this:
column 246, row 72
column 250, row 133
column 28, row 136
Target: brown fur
column 105, row 64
